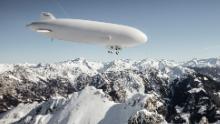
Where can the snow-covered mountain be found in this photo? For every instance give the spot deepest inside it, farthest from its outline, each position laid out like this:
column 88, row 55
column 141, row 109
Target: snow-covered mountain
column 212, row 62
column 118, row 92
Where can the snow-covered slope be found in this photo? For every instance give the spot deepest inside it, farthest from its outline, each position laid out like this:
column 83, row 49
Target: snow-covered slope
column 211, row 62
column 122, row 91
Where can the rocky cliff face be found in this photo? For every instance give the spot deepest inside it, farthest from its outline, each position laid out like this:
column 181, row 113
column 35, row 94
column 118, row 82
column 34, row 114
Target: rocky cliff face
column 121, row 91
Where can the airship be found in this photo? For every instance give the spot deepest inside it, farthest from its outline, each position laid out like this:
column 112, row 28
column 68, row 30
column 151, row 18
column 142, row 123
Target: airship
column 115, row 37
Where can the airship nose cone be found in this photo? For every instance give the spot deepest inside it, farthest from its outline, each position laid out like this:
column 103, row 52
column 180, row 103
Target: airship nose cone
column 144, row 38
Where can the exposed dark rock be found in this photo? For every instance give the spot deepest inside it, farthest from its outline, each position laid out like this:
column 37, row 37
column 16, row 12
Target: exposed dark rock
column 213, row 72
column 145, row 117
column 195, row 94
column 192, row 94
column 14, row 92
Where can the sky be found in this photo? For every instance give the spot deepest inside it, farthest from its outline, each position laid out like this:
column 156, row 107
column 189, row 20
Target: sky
column 178, row 30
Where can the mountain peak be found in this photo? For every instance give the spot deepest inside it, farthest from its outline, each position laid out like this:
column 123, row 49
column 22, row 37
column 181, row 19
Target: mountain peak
column 210, row 62
column 119, row 91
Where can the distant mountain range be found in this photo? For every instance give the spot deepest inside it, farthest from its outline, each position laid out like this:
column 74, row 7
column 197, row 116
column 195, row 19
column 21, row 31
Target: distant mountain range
column 119, row 92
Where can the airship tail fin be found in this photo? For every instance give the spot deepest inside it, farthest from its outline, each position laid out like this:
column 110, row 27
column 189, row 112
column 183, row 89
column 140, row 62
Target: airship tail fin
column 46, row 16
